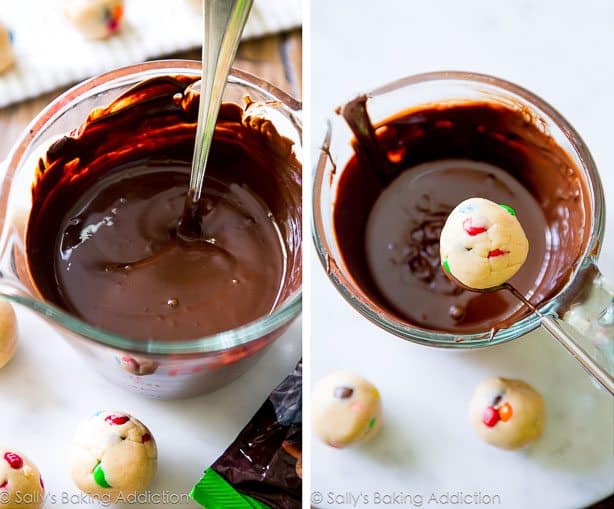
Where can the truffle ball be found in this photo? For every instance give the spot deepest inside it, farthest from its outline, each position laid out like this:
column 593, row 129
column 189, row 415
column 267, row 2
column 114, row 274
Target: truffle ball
column 346, row 409
column 506, row 413
column 95, row 19
column 113, row 453
column 21, row 484
column 482, row 243
column 8, row 333
column 6, row 48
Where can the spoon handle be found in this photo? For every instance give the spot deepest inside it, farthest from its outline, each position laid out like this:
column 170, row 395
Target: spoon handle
column 571, row 345
column 224, row 21
column 555, row 329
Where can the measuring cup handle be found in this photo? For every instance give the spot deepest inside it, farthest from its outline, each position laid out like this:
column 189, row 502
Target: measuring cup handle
column 590, row 364
column 586, row 330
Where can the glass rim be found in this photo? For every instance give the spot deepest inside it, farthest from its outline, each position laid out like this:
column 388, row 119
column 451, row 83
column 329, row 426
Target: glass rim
column 239, row 336
column 344, row 282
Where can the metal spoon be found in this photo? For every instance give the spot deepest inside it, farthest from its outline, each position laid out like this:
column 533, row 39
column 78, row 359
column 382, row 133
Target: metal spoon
column 224, row 21
column 555, row 330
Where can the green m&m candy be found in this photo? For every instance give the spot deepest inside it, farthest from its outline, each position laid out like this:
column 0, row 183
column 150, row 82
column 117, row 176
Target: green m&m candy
column 508, row 208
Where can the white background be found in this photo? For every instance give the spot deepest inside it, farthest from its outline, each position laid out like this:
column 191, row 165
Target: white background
column 563, row 51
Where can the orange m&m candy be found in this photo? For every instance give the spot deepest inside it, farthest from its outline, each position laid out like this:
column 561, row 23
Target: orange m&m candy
column 505, row 412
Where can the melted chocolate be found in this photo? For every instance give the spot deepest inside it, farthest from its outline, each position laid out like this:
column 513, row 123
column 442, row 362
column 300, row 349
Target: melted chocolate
column 102, row 238
column 410, row 171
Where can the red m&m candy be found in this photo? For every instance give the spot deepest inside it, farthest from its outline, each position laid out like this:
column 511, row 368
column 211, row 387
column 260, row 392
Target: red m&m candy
column 472, row 229
column 118, row 420
column 496, row 252
column 14, row 460
column 490, row 417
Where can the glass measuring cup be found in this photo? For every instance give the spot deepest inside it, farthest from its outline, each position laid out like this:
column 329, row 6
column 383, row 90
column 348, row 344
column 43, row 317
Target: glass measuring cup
column 584, row 300
column 163, row 369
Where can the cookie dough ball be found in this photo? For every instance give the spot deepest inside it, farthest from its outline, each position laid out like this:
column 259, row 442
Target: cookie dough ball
column 506, row 413
column 21, row 484
column 196, row 4
column 346, row 409
column 113, row 453
column 6, row 48
column 96, row 19
column 8, row 333
column 482, row 243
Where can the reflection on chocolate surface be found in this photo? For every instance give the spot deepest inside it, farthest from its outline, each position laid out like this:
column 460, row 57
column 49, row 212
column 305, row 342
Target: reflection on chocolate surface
column 102, row 237
column 407, row 174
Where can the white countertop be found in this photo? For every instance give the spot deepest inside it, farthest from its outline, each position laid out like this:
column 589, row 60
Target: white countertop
column 562, row 50
column 47, row 389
